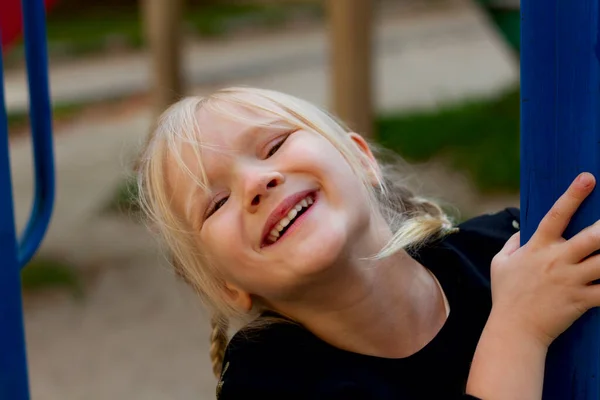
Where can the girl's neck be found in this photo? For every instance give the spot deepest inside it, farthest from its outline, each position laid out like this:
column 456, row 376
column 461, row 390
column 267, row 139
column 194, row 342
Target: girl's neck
column 390, row 309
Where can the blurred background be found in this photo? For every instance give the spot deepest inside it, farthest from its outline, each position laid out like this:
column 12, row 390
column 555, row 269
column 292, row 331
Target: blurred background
column 434, row 80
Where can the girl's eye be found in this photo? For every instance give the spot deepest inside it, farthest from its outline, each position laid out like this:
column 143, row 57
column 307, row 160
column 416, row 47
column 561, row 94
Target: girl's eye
column 216, row 206
column 276, row 147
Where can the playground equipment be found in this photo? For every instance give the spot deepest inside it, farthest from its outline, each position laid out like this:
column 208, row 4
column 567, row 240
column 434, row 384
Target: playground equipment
column 15, row 254
column 351, row 62
column 11, row 21
column 560, row 137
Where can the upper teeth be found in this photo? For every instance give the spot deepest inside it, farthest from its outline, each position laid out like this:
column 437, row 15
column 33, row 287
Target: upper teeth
column 285, row 221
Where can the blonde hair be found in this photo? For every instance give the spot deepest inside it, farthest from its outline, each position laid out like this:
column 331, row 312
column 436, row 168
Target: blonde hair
column 413, row 220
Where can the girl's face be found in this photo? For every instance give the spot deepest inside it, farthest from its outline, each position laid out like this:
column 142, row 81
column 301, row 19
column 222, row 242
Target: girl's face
column 285, row 210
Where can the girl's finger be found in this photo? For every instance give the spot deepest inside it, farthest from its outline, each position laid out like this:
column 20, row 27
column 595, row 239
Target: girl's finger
column 512, row 244
column 591, row 296
column 583, row 244
column 589, row 270
column 557, row 219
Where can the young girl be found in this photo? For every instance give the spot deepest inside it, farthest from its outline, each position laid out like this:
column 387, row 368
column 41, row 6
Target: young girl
column 349, row 286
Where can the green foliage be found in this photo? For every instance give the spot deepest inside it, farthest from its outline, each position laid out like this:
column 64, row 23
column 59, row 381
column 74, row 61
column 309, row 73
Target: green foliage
column 17, row 119
column 125, row 199
column 480, row 138
column 42, row 273
column 80, row 31
column 219, row 19
column 93, row 32
column 20, row 119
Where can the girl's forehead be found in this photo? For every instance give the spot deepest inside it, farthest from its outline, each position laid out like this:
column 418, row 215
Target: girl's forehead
column 225, row 120
column 232, row 131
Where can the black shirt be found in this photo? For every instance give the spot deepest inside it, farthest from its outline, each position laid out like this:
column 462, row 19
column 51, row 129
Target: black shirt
column 286, row 361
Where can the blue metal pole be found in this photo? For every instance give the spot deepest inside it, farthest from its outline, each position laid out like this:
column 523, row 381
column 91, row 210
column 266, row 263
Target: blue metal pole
column 40, row 116
column 13, row 255
column 560, row 137
column 13, row 362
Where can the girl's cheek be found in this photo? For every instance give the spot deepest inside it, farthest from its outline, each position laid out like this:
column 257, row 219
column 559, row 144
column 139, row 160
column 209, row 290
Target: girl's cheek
column 309, row 153
column 215, row 233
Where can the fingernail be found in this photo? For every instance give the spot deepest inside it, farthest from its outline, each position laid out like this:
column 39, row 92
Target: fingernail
column 585, row 179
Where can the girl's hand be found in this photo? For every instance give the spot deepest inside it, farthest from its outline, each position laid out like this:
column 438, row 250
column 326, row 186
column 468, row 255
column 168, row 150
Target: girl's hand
column 540, row 289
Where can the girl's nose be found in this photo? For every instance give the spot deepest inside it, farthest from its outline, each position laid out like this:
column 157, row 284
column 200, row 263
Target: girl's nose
column 259, row 188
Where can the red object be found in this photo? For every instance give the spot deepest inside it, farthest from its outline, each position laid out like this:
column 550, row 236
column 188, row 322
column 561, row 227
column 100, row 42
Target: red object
column 11, row 21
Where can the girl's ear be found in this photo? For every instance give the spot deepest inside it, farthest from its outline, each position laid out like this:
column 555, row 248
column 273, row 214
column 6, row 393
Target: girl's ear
column 367, row 157
column 238, row 296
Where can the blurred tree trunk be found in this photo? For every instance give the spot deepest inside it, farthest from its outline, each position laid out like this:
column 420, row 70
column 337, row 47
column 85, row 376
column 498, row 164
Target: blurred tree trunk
column 163, row 30
column 351, row 62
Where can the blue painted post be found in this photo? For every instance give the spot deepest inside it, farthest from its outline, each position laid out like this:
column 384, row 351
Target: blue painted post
column 560, row 115
column 15, row 255
column 13, row 366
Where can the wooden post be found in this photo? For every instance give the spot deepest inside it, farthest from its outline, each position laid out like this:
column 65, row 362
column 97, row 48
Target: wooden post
column 560, row 133
column 163, row 26
column 351, row 61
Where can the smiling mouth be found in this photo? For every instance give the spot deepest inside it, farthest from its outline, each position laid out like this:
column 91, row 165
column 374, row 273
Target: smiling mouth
column 293, row 215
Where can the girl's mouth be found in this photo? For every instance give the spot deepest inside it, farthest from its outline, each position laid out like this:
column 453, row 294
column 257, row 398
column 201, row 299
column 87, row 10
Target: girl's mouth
column 289, row 220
